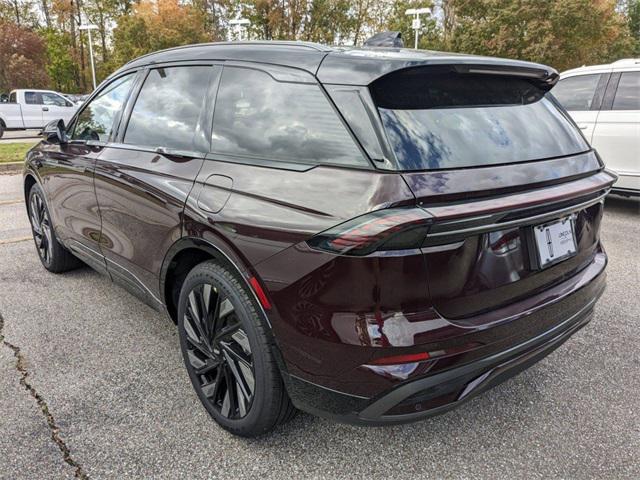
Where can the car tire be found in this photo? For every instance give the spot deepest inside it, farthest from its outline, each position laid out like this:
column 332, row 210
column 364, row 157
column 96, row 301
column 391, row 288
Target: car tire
column 228, row 352
column 52, row 254
column 1, row 129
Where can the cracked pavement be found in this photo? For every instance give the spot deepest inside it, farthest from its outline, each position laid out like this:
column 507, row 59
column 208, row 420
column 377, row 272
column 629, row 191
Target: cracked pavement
column 105, row 377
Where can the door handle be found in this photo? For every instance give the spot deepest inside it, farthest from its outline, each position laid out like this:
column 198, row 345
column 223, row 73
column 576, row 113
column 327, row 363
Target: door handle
column 45, row 109
column 583, row 126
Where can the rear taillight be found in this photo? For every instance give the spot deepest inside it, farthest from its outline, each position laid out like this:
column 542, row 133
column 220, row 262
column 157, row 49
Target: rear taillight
column 391, row 229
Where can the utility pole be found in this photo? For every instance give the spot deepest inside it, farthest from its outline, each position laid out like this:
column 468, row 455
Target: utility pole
column 417, row 24
column 88, row 28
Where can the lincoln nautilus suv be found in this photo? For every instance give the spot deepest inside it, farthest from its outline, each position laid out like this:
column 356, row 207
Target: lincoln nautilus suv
column 373, row 235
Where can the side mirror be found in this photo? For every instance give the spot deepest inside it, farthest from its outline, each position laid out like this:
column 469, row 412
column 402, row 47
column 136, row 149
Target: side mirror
column 54, row 132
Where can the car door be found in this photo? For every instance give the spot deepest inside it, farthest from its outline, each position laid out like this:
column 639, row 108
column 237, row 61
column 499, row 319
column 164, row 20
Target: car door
column 67, row 171
column 145, row 176
column 617, row 132
column 56, row 107
column 581, row 95
column 32, row 109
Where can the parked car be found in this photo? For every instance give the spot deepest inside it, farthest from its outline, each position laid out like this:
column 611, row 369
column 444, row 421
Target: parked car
column 34, row 109
column 604, row 100
column 328, row 233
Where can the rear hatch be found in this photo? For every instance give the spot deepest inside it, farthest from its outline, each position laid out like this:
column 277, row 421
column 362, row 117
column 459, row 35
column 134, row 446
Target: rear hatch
column 514, row 190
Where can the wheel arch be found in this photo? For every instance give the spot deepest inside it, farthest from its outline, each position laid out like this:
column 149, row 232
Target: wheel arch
column 28, row 183
column 188, row 252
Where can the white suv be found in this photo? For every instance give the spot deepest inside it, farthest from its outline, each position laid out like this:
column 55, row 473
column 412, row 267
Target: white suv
column 604, row 100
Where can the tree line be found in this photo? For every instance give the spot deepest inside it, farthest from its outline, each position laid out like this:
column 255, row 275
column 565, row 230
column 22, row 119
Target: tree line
column 41, row 44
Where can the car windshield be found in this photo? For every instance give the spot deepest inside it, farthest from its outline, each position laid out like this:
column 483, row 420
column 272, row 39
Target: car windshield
column 448, row 120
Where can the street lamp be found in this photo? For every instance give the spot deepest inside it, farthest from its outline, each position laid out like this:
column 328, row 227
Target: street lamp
column 417, row 24
column 240, row 24
column 88, row 28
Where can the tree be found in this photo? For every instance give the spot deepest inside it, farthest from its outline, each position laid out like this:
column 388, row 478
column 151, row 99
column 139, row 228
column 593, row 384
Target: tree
column 156, row 25
column 61, row 67
column 563, row 34
column 22, row 58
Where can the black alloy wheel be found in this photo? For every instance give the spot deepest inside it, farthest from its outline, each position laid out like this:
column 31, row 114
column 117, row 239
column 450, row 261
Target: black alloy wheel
column 219, row 352
column 229, row 352
column 41, row 226
column 52, row 254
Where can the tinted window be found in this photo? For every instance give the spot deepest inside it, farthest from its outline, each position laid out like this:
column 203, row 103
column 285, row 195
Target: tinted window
column 96, row 120
column 628, row 92
column 12, row 97
column 53, row 99
column 167, row 110
column 452, row 121
column 257, row 116
column 576, row 93
column 31, row 98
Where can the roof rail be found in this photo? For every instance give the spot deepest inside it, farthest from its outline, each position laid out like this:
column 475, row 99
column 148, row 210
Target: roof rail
column 627, row 61
column 287, row 43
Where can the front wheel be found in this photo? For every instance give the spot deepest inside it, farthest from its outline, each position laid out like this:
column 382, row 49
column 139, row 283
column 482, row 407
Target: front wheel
column 228, row 353
column 53, row 255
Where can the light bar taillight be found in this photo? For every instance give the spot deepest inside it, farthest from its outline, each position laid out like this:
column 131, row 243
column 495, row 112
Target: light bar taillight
column 391, row 229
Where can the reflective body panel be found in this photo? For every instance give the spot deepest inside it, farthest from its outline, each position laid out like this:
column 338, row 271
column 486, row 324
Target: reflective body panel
column 453, row 277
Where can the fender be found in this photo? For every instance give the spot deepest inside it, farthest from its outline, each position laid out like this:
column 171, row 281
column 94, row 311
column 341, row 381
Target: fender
column 219, row 251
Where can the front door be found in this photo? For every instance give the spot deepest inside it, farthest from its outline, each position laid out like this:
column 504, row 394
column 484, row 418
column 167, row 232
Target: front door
column 143, row 179
column 55, row 107
column 68, row 172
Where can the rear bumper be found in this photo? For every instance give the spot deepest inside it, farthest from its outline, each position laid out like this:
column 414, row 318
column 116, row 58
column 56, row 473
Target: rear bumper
column 440, row 392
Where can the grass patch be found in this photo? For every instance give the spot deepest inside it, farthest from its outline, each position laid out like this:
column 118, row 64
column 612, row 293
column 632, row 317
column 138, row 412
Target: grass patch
column 13, row 152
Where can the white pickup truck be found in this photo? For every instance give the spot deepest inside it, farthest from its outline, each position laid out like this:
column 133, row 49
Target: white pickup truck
column 34, row 109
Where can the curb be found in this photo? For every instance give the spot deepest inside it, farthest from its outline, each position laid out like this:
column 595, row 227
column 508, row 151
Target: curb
column 11, row 167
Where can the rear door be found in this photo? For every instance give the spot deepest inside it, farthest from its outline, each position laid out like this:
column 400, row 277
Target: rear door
column 617, row 132
column 32, row 109
column 581, row 95
column 144, row 177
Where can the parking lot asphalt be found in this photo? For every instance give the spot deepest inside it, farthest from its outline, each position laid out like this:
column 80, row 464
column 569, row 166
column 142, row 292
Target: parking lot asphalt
column 92, row 384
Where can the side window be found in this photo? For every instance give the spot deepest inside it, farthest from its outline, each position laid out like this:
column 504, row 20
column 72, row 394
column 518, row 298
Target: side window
column 576, row 93
column 628, row 92
column 260, row 117
column 96, row 120
column 31, row 98
column 53, row 99
column 168, row 107
column 12, row 97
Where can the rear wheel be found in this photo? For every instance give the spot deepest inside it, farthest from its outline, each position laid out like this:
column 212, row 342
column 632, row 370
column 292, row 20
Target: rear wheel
column 228, row 353
column 52, row 254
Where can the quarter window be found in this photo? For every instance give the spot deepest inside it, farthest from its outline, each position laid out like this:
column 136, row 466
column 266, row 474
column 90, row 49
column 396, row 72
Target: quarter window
column 96, row 121
column 257, row 116
column 167, row 110
column 628, row 92
column 576, row 93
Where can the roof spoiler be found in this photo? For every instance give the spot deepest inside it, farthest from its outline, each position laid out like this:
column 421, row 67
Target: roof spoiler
column 544, row 78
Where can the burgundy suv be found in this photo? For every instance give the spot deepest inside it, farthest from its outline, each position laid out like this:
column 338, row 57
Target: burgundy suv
column 371, row 235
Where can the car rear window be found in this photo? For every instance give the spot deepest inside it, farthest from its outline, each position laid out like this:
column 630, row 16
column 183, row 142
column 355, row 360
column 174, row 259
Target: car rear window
column 448, row 120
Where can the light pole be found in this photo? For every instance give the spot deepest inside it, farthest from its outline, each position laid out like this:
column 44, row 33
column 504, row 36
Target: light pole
column 88, row 28
column 240, row 24
column 417, row 24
